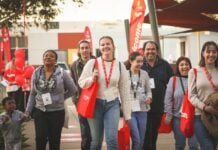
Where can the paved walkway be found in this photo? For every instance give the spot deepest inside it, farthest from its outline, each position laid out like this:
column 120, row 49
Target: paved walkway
column 70, row 139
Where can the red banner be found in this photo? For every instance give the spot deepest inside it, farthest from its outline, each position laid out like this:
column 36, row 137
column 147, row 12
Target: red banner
column 6, row 43
column 1, row 58
column 88, row 36
column 136, row 20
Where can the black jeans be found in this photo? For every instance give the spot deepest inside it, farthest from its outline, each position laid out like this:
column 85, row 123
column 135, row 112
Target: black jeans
column 151, row 134
column 48, row 126
column 85, row 133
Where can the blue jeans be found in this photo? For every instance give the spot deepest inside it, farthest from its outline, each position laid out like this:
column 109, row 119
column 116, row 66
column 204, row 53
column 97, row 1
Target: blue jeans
column 181, row 139
column 106, row 118
column 206, row 141
column 85, row 133
column 137, row 126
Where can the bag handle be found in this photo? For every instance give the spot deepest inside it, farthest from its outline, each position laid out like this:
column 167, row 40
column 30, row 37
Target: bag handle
column 95, row 65
column 183, row 89
column 174, row 87
column 209, row 77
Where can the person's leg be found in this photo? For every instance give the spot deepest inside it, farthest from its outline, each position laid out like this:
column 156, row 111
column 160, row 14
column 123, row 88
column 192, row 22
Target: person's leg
column 85, row 133
column 151, row 134
column 193, row 143
column 141, row 121
column 179, row 137
column 55, row 124
column 202, row 135
column 17, row 146
column 96, row 125
column 111, row 121
column 41, row 129
column 134, row 132
column 8, row 146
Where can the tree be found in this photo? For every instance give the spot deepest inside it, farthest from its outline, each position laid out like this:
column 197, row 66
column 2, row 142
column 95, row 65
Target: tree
column 38, row 11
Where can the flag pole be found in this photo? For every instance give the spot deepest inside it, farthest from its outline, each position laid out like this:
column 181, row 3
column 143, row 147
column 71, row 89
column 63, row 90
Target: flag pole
column 154, row 23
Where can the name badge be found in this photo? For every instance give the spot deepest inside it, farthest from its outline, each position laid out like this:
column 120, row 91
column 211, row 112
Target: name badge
column 136, row 105
column 46, row 99
column 151, row 81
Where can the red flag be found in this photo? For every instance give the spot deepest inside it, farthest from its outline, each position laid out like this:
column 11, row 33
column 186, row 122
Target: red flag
column 88, row 36
column 136, row 20
column 1, row 58
column 6, row 43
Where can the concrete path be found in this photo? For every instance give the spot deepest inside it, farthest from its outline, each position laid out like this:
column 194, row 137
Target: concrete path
column 70, row 139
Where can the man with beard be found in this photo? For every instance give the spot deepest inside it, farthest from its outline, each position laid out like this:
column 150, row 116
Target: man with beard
column 84, row 53
column 159, row 72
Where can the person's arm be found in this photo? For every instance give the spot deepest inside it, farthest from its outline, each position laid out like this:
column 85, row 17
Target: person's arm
column 168, row 99
column 86, row 79
column 192, row 91
column 69, row 85
column 73, row 71
column 147, row 86
column 124, row 89
column 31, row 99
column 4, row 121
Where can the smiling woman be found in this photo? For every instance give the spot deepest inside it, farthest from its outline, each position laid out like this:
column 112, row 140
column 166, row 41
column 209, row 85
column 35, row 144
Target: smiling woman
column 113, row 79
column 51, row 86
column 200, row 87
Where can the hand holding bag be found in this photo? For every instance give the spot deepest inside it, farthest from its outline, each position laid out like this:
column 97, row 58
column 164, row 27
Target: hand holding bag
column 124, row 137
column 163, row 127
column 87, row 100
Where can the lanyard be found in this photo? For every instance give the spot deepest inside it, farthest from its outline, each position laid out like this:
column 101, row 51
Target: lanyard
column 133, row 87
column 107, row 77
column 209, row 77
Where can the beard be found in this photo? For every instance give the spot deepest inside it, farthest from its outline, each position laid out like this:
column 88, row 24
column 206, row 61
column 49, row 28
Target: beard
column 151, row 57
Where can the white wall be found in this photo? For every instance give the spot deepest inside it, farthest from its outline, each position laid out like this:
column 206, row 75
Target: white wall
column 38, row 43
column 194, row 44
column 41, row 40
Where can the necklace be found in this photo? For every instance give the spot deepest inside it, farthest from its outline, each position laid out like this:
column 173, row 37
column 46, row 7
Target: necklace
column 107, row 77
column 134, row 87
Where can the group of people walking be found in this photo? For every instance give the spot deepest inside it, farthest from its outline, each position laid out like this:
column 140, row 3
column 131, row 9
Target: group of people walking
column 141, row 87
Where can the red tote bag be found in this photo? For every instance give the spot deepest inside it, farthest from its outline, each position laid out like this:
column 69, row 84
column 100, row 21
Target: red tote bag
column 187, row 114
column 163, row 127
column 187, row 117
column 87, row 100
column 124, row 137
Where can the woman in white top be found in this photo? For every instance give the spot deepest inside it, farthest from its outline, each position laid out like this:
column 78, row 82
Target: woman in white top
column 113, row 79
column 140, row 98
column 200, row 87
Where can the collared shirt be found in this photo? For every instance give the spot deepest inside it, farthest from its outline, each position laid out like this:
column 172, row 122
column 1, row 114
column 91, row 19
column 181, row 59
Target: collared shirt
column 160, row 73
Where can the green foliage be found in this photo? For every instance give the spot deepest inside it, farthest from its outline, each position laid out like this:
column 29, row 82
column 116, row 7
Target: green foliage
column 40, row 11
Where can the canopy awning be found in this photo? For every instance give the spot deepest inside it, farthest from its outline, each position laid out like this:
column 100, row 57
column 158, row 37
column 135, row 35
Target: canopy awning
column 199, row 15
